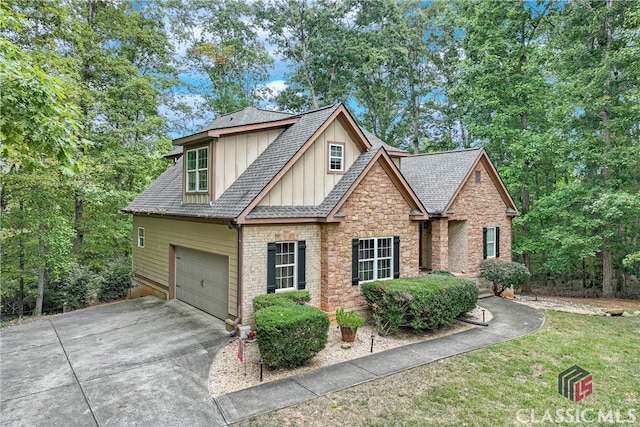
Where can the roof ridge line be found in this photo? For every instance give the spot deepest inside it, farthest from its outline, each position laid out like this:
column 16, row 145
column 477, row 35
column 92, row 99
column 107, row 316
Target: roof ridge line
column 445, row 152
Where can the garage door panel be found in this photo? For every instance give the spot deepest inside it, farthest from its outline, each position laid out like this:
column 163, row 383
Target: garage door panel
column 202, row 280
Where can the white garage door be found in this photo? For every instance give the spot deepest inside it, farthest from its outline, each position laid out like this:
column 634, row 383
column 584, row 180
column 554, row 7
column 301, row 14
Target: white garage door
column 202, row 280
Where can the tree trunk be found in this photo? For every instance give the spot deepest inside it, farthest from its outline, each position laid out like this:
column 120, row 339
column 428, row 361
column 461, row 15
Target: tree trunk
column 77, row 224
column 40, row 294
column 607, row 270
column 21, row 264
column 607, row 273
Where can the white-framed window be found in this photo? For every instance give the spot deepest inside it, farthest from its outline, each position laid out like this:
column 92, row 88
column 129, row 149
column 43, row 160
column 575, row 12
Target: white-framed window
column 286, row 266
column 198, row 169
column 490, row 242
column 140, row 237
column 375, row 259
column 336, row 157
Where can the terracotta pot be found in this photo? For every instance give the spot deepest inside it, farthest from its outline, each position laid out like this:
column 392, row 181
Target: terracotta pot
column 348, row 334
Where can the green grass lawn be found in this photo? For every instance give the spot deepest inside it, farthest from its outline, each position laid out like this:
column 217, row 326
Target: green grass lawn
column 514, row 383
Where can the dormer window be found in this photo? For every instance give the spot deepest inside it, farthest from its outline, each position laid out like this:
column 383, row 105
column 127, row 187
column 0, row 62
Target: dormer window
column 336, row 157
column 198, row 169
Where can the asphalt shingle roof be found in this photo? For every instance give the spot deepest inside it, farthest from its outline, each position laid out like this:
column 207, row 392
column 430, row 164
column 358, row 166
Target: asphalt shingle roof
column 436, row 177
column 377, row 142
column 247, row 116
column 164, row 196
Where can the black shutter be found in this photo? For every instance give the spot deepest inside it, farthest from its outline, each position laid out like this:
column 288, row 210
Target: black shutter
column 497, row 242
column 484, row 243
column 396, row 257
column 271, row 268
column 302, row 264
column 355, row 274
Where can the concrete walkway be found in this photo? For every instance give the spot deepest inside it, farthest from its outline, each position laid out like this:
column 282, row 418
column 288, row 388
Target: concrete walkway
column 141, row 362
column 510, row 320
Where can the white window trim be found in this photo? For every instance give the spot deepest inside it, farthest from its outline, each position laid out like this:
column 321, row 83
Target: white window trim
column 294, row 265
column 341, row 157
column 141, row 237
column 197, row 170
column 375, row 259
column 493, row 242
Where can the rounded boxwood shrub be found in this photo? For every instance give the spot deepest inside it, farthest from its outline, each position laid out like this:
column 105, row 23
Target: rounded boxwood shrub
column 421, row 303
column 269, row 300
column 290, row 335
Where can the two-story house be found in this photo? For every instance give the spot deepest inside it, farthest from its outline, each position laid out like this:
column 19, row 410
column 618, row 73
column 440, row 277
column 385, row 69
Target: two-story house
column 263, row 201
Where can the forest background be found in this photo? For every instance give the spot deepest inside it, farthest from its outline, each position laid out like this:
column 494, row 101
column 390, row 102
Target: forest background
column 92, row 91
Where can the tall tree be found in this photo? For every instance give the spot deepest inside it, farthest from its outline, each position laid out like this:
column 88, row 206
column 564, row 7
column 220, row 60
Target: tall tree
column 507, row 100
column 313, row 37
column 78, row 71
column 39, row 143
column 596, row 57
column 410, row 55
column 224, row 61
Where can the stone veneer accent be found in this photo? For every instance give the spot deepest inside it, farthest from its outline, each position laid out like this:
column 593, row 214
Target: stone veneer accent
column 254, row 259
column 375, row 208
column 481, row 205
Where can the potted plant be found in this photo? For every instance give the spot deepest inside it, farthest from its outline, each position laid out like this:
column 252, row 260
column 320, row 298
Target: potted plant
column 348, row 322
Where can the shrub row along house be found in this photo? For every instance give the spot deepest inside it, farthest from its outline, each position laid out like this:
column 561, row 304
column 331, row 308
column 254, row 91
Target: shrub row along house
column 264, row 201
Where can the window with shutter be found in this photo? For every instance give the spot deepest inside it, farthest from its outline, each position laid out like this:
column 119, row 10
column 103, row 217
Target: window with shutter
column 286, row 266
column 490, row 239
column 376, row 258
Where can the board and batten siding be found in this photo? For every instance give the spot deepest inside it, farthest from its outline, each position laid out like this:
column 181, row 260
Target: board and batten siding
column 308, row 181
column 235, row 153
column 151, row 263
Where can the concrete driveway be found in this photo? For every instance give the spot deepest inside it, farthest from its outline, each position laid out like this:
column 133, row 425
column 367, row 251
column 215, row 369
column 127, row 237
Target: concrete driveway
column 141, row 362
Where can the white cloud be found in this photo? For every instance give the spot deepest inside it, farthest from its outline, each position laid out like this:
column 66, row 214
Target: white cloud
column 276, row 86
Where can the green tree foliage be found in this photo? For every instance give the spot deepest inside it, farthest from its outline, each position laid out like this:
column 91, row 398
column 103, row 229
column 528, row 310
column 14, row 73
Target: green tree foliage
column 38, row 120
column 222, row 45
column 595, row 60
column 314, row 37
column 81, row 86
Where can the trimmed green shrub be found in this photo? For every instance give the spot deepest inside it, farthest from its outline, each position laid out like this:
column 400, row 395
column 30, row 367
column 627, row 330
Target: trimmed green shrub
column 116, row 281
column 442, row 272
column 422, row 303
column 78, row 287
column 504, row 274
column 290, row 335
column 269, row 300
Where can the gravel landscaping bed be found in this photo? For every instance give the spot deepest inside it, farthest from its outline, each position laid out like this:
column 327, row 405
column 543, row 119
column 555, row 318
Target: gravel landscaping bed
column 228, row 374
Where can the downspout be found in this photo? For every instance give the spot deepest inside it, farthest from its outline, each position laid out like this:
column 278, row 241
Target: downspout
column 236, row 322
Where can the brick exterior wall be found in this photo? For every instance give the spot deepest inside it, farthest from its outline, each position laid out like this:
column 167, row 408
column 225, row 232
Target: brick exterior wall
column 254, row 259
column 439, row 244
column 374, row 209
column 457, row 245
column 481, row 206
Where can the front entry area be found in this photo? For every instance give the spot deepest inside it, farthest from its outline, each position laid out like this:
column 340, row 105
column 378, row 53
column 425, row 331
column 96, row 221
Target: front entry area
column 202, row 280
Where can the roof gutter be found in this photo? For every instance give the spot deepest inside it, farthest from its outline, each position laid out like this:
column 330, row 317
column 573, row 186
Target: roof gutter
column 236, row 322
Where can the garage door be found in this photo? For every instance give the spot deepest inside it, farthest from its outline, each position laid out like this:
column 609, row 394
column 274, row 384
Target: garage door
column 202, row 280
